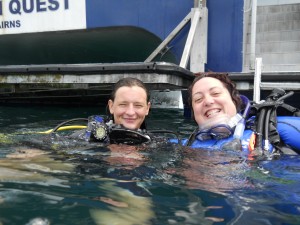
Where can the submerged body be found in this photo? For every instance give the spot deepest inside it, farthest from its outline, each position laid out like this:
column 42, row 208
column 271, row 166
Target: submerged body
column 288, row 128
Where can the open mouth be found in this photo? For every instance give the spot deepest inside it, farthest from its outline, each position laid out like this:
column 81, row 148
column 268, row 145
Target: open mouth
column 212, row 113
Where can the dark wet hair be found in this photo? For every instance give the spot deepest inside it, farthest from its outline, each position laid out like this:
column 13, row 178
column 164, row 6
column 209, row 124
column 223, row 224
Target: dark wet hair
column 129, row 82
column 229, row 85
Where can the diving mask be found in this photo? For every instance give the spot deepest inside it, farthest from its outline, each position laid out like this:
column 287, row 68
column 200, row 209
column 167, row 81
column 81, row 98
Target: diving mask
column 219, row 128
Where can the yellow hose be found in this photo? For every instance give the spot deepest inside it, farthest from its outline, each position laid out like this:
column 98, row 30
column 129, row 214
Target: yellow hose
column 63, row 128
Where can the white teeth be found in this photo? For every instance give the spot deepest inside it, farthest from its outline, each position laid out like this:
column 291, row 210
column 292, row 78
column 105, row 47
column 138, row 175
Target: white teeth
column 212, row 112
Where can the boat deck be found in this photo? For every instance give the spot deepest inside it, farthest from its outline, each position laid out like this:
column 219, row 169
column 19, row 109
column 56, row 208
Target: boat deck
column 84, row 83
column 90, row 84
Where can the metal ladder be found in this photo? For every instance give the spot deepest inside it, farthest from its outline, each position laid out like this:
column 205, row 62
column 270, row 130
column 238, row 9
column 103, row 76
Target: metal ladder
column 259, row 85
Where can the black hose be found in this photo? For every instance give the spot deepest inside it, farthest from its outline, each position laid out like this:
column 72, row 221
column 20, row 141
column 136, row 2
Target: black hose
column 263, row 123
column 285, row 96
column 268, row 114
column 266, row 125
column 259, row 130
column 191, row 138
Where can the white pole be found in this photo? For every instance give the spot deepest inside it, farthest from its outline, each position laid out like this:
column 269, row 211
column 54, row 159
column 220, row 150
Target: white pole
column 257, row 80
column 189, row 41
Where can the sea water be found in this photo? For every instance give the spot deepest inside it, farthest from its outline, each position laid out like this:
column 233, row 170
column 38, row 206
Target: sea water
column 67, row 182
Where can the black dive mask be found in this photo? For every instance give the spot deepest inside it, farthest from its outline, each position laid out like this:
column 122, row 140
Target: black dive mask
column 219, row 131
column 118, row 134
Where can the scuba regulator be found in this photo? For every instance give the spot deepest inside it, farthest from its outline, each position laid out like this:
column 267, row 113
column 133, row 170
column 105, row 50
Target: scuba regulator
column 97, row 129
column 100, row 129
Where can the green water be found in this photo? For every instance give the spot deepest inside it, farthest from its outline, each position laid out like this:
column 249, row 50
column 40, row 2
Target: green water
column 158, row 184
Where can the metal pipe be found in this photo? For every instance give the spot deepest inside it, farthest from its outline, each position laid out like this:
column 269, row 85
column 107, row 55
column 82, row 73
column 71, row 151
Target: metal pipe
column 253, row 34
column 257, row 80
column 199, row 3
column 189, row 41
column 170, row 37
column 196, row 3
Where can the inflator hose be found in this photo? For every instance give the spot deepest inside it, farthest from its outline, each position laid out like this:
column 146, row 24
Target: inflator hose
column 264, row 119
column 66, row 122
column 260, row 124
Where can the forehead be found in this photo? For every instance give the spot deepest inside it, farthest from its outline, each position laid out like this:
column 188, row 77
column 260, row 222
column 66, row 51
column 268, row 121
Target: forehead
column 206, row 84
column 135, row 92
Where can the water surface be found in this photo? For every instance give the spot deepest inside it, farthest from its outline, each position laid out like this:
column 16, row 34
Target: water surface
column 162, row 183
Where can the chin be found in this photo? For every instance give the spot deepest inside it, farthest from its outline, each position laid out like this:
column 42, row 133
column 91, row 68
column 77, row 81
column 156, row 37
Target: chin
column 132, row 127
column 217, row 119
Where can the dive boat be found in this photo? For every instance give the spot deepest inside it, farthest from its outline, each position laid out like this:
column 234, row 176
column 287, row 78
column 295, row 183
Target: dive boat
column 68, row 32
column 227, row 36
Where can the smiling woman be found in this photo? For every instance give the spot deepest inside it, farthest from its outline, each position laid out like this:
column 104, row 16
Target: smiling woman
column 216, row 106
column 213, row 97
column 229, row 121
column 129, row 103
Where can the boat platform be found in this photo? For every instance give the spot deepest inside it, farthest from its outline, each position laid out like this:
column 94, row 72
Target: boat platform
column 84, row 84
column 91, row 84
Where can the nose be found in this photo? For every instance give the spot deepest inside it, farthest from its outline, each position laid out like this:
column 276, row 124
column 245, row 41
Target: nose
column 208, row 100
column 130, row 110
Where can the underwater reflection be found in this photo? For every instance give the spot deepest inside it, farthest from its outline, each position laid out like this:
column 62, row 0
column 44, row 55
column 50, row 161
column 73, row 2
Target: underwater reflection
column 33, row 166
column 215, row 171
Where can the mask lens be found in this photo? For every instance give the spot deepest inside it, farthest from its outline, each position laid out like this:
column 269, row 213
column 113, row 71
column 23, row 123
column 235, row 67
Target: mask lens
column 218, row 132
column 221, row 132
column 203, row 136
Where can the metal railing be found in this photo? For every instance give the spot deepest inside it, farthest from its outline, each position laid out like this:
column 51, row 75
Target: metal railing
column 261, row 85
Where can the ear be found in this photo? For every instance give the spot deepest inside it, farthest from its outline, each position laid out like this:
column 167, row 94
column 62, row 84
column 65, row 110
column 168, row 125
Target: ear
column 110, row 106
column 148, row 108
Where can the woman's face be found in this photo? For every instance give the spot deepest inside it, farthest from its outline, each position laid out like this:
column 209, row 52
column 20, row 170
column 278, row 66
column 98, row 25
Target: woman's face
column 130, row 106
column 211, row 100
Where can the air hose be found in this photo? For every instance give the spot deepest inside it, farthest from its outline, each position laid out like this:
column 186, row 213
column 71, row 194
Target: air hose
column 267, row 119
column 66, row 122
column 240, row 127
column 62, row 128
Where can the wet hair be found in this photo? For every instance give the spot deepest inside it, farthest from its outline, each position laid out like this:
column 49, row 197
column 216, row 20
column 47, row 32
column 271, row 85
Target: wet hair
column 129, row 82
column 228, row 84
